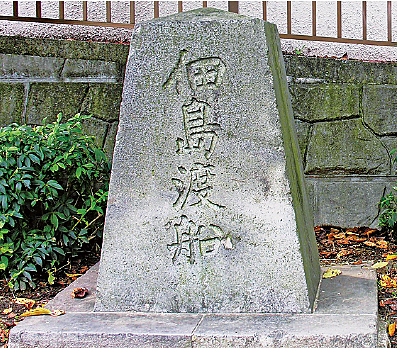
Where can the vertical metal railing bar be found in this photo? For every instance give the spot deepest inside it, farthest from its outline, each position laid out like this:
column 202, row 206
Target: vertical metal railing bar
column 108, row 12
column 156, row 9
column 339, row 18
column 389, row 27
column 85, row 11
column 232, row 6
column 364, row 20
column 38, row 9
column 61, row 10
column 132, row 12
column 314, row 18
column 264, row 10
column 15, row 8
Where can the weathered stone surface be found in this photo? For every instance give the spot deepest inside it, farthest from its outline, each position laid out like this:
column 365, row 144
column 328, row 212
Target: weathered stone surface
column 110, row 139
column 103, row 101
column 340, row 71
column 15, row 66
column 49, row 99
column 303, row 130
column 64, row 49
column 12, row 96
column 91, row 69
column 95, row 330
column 324, row 101
column 345, row 147
column 380, row 109
column 347, row 202
column 97, row 128
column 390, row 143
column 206, row 168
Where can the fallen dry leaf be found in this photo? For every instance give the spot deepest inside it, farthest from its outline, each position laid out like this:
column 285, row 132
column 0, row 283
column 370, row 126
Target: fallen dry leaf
column 391, row 257
column 339, row 235
column 79, row 292
column 380, row 265
column 368, row 243
column 330, row 273
column 36, row 311
column 370, row 231
column 382, row 244
column 12, row 315
column 42, row 311
column 343, row 252
column 73, row 275
column 344, row 241
column 356, row 238
column 7, row 311
column 387, row 282
column 28, row 303
column 392, row 329
column 57, row 312
column 327, row 254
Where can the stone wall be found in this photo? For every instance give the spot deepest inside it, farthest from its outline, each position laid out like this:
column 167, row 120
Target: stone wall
column 40, row 78
column 345, row 111
column 346, row 118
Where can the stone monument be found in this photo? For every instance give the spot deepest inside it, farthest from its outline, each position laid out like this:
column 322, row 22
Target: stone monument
column 207, row 207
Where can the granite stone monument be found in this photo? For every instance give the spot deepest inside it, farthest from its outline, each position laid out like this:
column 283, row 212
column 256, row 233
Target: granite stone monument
column 207, row 209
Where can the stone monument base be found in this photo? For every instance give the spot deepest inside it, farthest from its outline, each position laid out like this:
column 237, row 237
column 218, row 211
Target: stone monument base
column 346, row 316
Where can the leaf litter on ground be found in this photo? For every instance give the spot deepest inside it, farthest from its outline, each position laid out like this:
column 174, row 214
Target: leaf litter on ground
column 22, row 301
column 367, row 247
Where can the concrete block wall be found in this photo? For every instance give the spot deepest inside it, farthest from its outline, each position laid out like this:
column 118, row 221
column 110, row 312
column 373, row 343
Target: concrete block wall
column 345, row 112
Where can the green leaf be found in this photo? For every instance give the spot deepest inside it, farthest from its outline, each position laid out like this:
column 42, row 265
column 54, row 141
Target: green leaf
column 18, row 186
column 54, row 220
column 31, row 267
column 59, row 251
column 78, row 172
column 54, row 184
column 34, row 158
column 4, row 201
column 38, row 260
column 51, row 278
column 65, row 239
column 3, row 263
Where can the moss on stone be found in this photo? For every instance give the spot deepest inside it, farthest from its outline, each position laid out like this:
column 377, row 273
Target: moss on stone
column 341, row 71
column 294, row 170
column 345, row 147
column 96, row 128
column 325, row 101
column 12, row 96
column 49, row 99
column 103, row 101
column 380, row 108
column 110, row 140
column 64, row 49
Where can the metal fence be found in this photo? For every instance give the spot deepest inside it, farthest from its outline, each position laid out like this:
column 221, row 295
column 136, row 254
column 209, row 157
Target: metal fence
column 129, row 17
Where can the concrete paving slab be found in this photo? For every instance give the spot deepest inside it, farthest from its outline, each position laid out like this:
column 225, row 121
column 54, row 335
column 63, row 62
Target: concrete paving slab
column 296, row 330
column 353, row 292
column 346, row 316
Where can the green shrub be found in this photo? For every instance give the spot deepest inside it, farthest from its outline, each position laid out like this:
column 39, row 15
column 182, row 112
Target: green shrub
column 388, row 208
column 53, row 192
